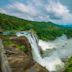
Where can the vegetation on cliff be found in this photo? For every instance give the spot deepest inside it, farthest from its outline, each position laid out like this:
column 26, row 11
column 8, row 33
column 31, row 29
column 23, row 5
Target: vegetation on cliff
column 44, row 30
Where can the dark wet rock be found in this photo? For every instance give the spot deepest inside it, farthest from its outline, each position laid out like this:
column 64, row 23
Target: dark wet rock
column 23, row 41
column 20, row 61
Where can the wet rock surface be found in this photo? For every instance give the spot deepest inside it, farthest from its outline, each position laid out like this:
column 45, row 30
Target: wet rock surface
column 20, row 61
column 0, row 64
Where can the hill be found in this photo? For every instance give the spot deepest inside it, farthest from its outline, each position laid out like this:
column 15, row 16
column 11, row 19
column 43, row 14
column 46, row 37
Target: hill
column 44, row 30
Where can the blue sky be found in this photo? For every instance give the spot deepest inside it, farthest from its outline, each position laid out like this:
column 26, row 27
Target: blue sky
column 57, row 11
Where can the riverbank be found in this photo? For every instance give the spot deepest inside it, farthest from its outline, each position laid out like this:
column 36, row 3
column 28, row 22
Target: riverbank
column 19, row 60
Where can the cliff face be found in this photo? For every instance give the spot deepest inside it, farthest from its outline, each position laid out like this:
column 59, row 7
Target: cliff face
column 0, row 64
column 23, row 41
column 19, row 60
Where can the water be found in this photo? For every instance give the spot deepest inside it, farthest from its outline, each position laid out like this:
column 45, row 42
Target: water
column 53, row 52
column 61, row 46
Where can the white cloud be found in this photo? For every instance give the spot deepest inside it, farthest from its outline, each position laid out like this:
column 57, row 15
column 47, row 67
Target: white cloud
column 24, row 8
column 39, row 10
column 57, row 8
column 2, row 10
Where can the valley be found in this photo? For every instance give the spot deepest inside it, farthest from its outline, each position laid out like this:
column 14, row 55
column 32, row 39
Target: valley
column 47, row 46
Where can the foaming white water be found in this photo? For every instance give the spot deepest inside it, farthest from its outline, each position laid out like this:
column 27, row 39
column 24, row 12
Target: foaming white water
column 46, row 45
column 53, row 51
column 61, row 46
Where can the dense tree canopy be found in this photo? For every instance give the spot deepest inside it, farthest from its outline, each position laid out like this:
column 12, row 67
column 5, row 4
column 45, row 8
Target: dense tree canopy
column 44, row 30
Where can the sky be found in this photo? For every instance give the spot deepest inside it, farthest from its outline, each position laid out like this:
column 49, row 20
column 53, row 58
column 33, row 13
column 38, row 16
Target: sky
column 57, row 11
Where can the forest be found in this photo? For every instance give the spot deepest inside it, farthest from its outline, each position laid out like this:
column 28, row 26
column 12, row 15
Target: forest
column 45, row 30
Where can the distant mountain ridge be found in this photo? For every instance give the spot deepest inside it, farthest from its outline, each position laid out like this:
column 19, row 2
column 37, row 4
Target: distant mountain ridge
column 66, row 25
column 44, row 30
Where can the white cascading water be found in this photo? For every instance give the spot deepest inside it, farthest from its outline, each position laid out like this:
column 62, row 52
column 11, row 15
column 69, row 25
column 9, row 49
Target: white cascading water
column 33, row 42
column 60, row 46
column 54, row 51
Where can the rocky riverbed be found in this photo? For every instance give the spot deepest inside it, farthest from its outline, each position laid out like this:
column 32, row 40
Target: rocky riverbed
column 20, row 61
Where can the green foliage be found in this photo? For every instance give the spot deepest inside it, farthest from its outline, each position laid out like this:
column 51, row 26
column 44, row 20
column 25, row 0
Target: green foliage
column 22, row 47
column 9, row 43
column 44, row 30
column 68, row 65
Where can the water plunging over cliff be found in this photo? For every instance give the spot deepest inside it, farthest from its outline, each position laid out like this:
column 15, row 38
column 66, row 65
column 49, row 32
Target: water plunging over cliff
column 53, row 51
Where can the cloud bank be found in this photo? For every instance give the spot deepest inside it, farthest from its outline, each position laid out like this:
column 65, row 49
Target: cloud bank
column 56, row 11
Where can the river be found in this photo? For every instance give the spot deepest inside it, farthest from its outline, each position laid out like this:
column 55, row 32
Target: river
column 54, row 51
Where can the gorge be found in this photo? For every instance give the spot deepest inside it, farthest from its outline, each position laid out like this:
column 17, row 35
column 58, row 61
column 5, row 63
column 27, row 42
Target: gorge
column 54, row 52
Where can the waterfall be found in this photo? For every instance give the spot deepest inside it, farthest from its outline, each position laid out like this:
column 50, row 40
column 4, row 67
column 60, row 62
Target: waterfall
column 34, row 45
column 51, row 63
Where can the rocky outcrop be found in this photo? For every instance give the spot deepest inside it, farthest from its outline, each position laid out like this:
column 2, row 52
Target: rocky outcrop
column 4, row 65
column 20, row 61
column 23, row 41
